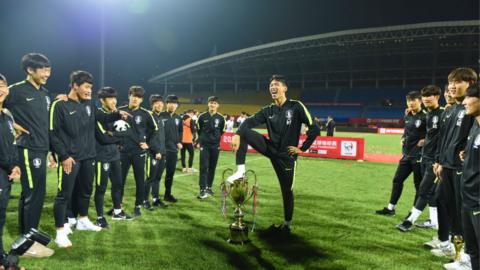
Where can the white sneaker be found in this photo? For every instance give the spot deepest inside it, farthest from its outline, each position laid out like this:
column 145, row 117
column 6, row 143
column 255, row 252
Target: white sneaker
column 236, row 176
column 463, row 264
column 184, row 170
column 193, row 170
column 72, row 221
column 447, row 251
column 62, row 240
column 84, row 224
column 67, row 229
column 434, row 243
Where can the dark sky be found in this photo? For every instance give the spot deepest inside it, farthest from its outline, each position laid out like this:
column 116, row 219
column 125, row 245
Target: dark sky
column 148, row 37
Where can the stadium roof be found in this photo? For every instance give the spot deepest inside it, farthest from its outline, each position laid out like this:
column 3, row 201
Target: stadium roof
column 413, row 54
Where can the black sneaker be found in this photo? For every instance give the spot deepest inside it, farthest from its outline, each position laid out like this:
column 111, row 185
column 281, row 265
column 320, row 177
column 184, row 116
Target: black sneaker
column 159, row 203
column 202, row 195
column 169, row 198
column 405, row 226
column 121, row 216
column 147, row 206
column 279, row 229
column 110, row 212
column 102, row 222
column 136, row 212
column 209, row 191
column 386, row 212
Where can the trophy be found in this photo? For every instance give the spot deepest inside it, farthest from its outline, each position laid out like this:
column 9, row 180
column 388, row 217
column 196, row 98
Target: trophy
column 240, row 192
column 457, row 243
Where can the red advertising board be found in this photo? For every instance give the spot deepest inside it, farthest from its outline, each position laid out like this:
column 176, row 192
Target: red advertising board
column 325, row 147
column 390, row 131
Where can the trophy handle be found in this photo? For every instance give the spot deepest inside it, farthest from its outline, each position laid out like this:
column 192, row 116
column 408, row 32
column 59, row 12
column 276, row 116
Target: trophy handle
column 224, row 174
column 223, row 186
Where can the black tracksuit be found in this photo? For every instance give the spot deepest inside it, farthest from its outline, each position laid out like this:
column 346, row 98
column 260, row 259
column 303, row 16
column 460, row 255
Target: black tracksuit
column 210, row 129
column 155, row 167
column 470, row 190
column 29, row 108
column 108, row 162
column 427, row 186
column 143, row 127
column 72, row 135
column 173, row 136
column 284, row 124
column 414, row 131
column 457, row 126
column 8, row 160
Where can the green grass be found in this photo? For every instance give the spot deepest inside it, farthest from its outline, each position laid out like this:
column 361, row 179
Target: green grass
column 334, row 226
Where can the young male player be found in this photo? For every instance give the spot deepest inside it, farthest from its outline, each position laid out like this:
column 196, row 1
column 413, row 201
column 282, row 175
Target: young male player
column 284, row 120
column 412, row 142
column 210, row 127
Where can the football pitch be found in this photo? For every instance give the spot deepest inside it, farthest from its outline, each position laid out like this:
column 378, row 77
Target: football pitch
column 334, row 225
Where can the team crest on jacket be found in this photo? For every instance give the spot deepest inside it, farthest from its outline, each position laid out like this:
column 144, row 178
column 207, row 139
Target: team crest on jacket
column 476, row 143
column 289, row 116
column 37, row 163
column 154, row 162
column 177, row 121
column 217, row 122
column 460, row 116
column 138, row 119
column 435, row 121
column 47, row 99
column 106, row 166
column 88, row 109
column 418, row 123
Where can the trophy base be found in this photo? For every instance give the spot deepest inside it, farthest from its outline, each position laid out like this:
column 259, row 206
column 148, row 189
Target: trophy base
column 238, row 235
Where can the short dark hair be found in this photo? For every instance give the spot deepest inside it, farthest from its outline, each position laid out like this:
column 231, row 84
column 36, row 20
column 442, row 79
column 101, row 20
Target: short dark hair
column 34, row 61
column 171, row 99
column 80, row 77
column 280, row 78
column 107, row 92
column 189, row 111
column 431, row 90
column 473, row 91
column 463, row 74
column 414, row 95
column 2, row 78
column 155, row 98
column 213, row 98
column 136, row 91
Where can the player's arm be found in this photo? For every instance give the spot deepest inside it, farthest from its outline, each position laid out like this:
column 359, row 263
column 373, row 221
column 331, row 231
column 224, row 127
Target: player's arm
column 253, row 121
column 180, row 132
column 103, row 136
column 313, row 129
column 56, row 122
column 465, row 127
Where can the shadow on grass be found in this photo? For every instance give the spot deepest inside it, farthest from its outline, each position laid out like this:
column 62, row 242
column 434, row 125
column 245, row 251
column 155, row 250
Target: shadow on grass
column 292, row 247
column 240, row 259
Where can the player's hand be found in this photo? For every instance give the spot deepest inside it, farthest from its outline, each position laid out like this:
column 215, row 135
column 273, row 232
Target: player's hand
column 144, row 146
column 462, row 155
column 158, row 156
column 292, row 150
column 124, row 115
column 439, row 172
column 15, row 174
column 52, row 163
column 179, row 146
column 235, row 142
column 402, row 141
column 421, row 143
column 67, row 165
column 19, row 130
column 197, row 145
column 62, row 97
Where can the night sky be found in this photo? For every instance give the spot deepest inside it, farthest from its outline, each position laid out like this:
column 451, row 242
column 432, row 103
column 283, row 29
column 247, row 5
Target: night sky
column 147, row 37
